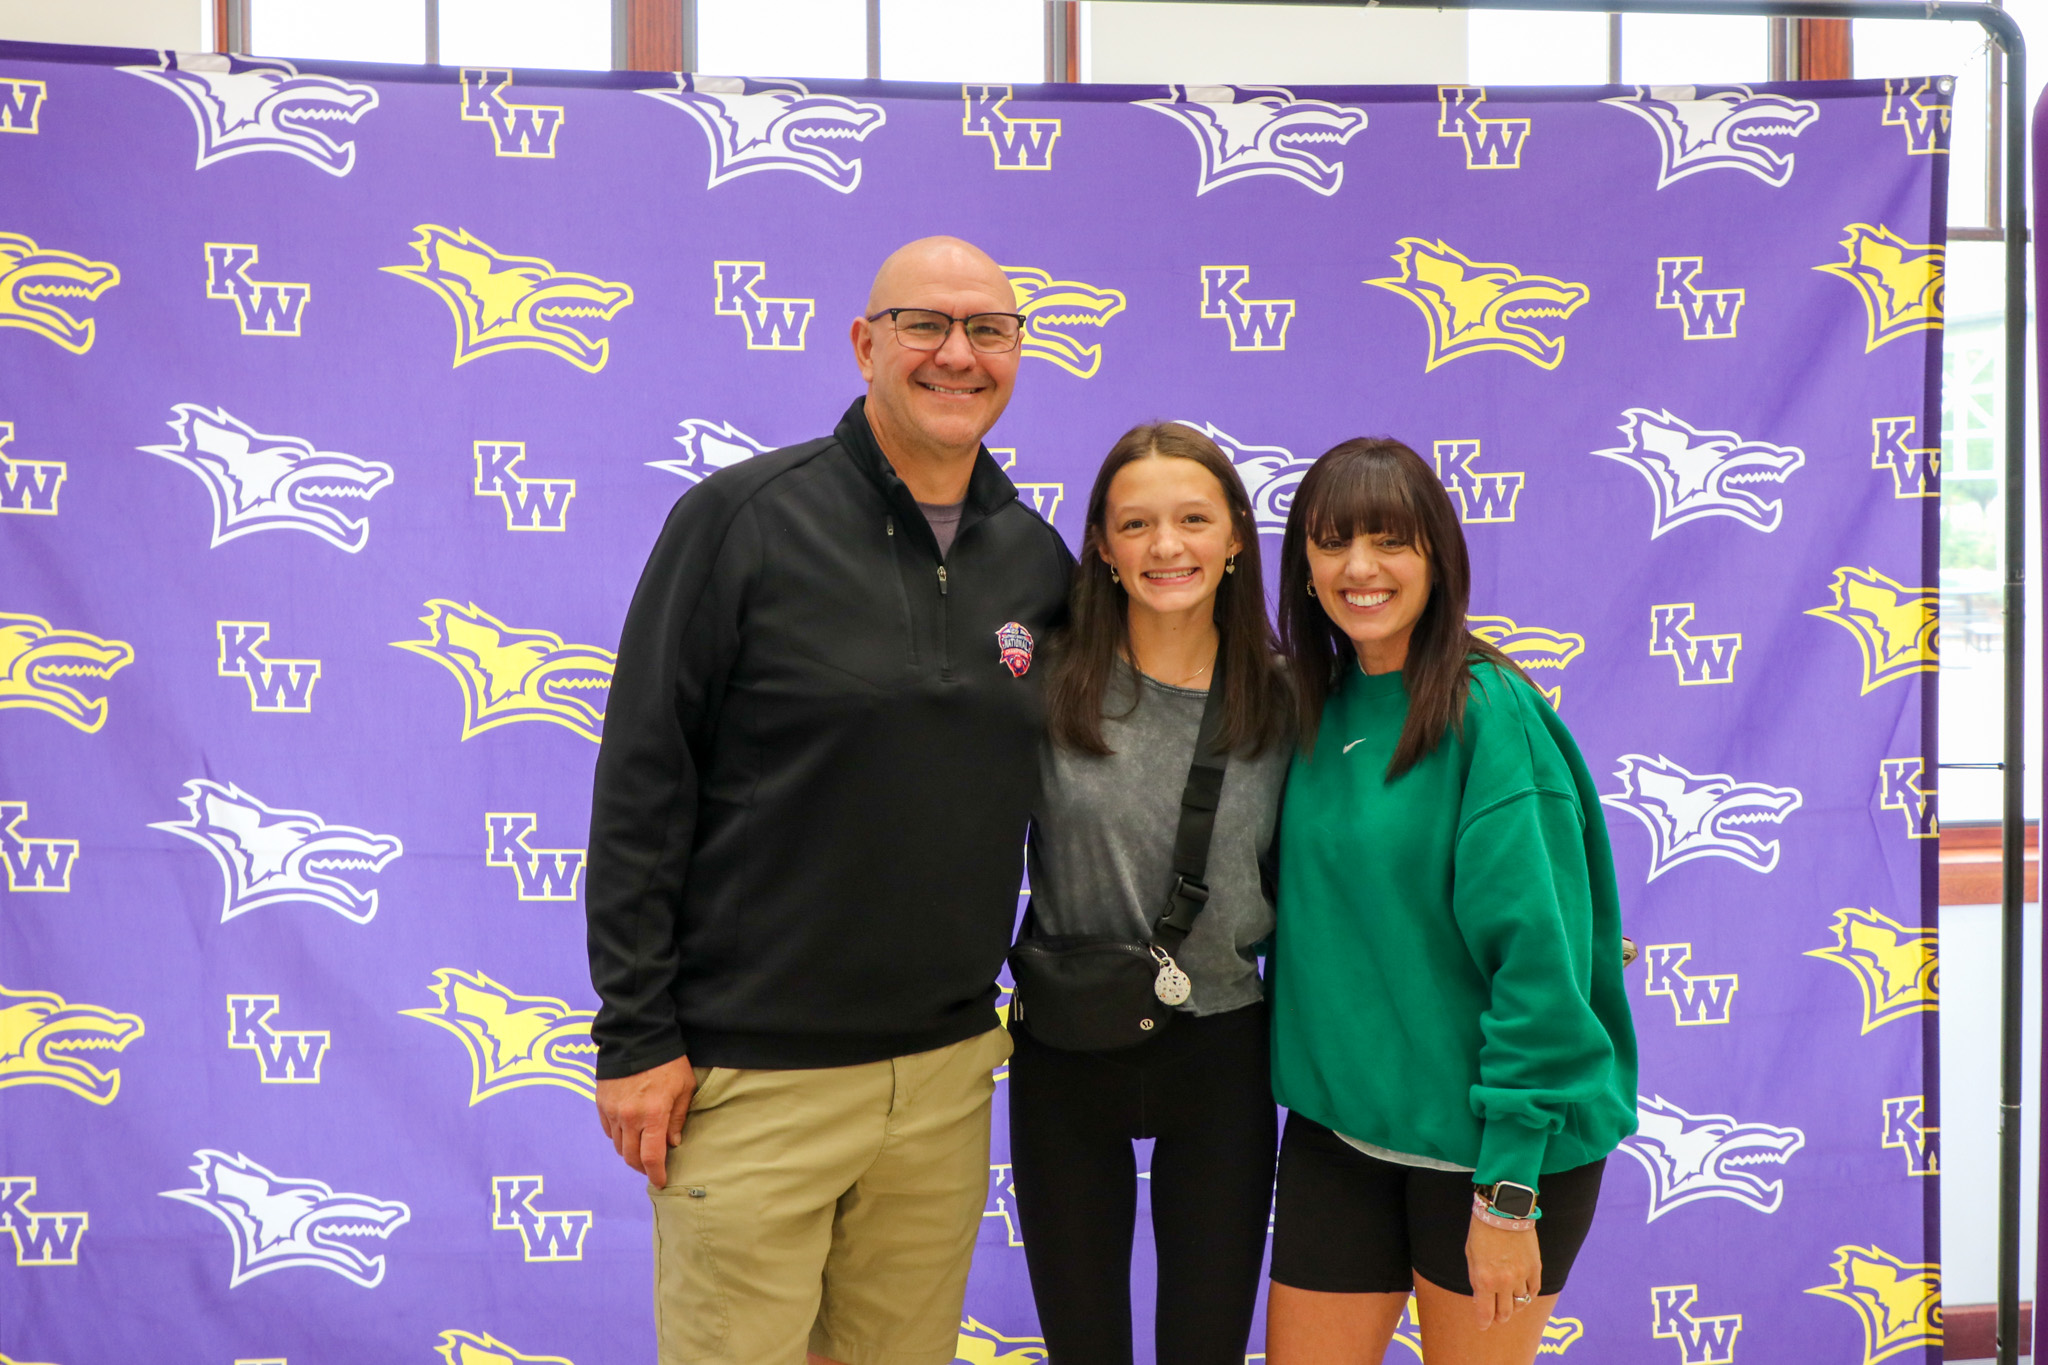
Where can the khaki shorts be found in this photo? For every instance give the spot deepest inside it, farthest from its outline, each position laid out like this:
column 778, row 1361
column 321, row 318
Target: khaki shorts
column 833, row 1210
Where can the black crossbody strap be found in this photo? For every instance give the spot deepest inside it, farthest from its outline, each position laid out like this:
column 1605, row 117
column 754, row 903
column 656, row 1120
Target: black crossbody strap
column 1198, row 803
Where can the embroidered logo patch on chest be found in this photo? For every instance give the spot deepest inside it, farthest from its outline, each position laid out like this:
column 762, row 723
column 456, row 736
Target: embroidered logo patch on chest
column 1015, row 643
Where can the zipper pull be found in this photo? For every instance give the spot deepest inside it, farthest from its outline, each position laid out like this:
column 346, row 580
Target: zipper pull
column 889, row 525
column 942, row 580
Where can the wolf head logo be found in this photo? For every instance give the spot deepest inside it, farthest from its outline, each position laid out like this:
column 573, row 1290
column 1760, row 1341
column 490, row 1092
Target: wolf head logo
column 513, row 303
column 261, row 104
column 1473, row 306
column 34, row 655
column 39, row 287
column 1695, row 473
column 980, row 1344
column 707, row 448
column 509, row 675
column 1532, row 647
column 1897, row 629
column 1902, row 285
column 1719, row 127
column 1695, row 815
column 1049, row 304
column 41, row 1032
column 1708, row 1156
column 276, row 1222
column 513, row 1040
column 270, row 856
column 1270, row 474
column 1247, row 130
column 1558, row 1334
column 271, row 483
column 774, row 125
column 1898, row 1304
column 1898, row 969
column 472, row 1348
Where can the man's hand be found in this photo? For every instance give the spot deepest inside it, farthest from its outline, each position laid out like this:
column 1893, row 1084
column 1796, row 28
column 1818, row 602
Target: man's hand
column 1506, row 1269
column 643, row 1114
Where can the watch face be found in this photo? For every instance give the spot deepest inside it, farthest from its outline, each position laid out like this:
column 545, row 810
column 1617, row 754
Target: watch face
column 1516, row 1201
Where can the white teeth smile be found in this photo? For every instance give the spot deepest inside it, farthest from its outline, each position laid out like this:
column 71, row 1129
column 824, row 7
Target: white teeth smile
column 1367, row 599
column 955, row 392
column 1169, row 575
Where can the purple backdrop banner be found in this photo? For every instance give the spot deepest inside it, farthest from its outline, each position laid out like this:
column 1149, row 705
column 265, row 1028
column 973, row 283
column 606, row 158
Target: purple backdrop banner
column 339, row 406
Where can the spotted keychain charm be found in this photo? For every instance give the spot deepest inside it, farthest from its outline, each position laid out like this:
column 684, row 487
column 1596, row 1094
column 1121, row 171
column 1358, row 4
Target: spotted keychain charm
column 1016, row 644
column 1171, row 985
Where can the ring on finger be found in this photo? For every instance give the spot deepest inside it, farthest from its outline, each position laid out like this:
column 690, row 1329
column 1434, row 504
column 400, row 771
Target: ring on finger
column 1522, row 1298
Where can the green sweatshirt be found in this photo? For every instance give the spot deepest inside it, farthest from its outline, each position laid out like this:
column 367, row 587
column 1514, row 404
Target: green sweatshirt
column 1447, row 968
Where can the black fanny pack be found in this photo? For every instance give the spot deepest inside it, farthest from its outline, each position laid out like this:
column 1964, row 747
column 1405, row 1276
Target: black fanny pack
column 1090, row 993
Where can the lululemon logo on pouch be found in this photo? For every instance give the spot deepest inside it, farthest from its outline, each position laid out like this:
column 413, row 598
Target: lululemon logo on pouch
column 1016, row 644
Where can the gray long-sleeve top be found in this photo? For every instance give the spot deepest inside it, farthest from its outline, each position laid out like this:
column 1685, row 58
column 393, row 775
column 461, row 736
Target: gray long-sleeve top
column 1101, row 851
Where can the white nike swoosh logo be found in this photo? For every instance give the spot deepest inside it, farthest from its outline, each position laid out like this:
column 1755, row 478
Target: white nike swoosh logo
column 1352, row 745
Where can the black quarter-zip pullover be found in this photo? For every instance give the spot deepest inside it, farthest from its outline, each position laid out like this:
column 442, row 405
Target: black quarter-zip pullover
column 808, row 821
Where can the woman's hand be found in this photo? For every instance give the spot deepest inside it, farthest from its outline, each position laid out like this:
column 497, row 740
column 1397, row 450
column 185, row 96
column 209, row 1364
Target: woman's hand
column 1506, row 1269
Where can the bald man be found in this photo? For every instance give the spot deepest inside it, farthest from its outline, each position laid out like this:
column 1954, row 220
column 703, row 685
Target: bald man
column 819, row 756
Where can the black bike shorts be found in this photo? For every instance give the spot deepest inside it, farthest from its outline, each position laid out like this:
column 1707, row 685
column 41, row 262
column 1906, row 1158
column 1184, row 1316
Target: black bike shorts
column 1348, row 1223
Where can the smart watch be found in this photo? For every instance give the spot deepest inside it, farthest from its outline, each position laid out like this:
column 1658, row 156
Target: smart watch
column 1508, row 1199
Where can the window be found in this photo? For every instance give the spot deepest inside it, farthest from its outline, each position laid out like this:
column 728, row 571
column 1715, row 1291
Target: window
column 571, row 34
column 799, row 38
column 1678, row 49
column 944, row 40
column 340, row 30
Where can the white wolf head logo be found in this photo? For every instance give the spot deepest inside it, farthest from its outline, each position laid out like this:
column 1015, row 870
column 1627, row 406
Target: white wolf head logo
column 1707, row 1156
column 1246, row 130
column 271, row 483
column 275, row 857
column 773, row 125
column 1716, row 127
column 261, row 104
column 1695, row 815
column 707, row 448
column 1270, row 474
column 277, row 1222
column 1694, row 473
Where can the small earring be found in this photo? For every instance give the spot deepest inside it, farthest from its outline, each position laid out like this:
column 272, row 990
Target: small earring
column 1311, row 590
column 1112, row 575
column 1230, row 563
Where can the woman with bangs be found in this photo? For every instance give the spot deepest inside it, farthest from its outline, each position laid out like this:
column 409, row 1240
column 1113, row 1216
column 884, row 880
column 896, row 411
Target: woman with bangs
column 1451, row 1033
column 1167, row 606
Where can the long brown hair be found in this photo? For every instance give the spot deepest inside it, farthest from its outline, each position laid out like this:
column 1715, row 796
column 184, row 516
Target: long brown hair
column 1377, row 486
column 1086, row 653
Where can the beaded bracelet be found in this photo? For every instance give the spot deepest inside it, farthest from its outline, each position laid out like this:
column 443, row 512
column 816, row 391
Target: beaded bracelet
column 1483, row 1211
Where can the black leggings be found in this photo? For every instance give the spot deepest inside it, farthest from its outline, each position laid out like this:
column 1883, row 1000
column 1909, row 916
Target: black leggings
column 1202, row 1089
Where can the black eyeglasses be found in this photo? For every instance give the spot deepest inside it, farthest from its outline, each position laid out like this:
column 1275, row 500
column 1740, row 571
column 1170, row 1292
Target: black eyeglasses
column 925, row 329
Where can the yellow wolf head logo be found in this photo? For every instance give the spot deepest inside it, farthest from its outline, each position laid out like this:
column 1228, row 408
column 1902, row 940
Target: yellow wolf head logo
column 1532, row 647
column 509, row 303
column 1901, row 284
column 39, row 287
column 34, row 655
column 1898, row 969
column 1049, row 304
column 513, row 1040
column 1897, row 628
column 981, row 1344
column 1900, row 1304
column 1475, row 306
column 40, row 1033
column 481, row 1348
column 510, row 675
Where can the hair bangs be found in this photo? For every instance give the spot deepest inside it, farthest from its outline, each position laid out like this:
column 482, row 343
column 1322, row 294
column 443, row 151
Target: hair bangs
column 1365, row 492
